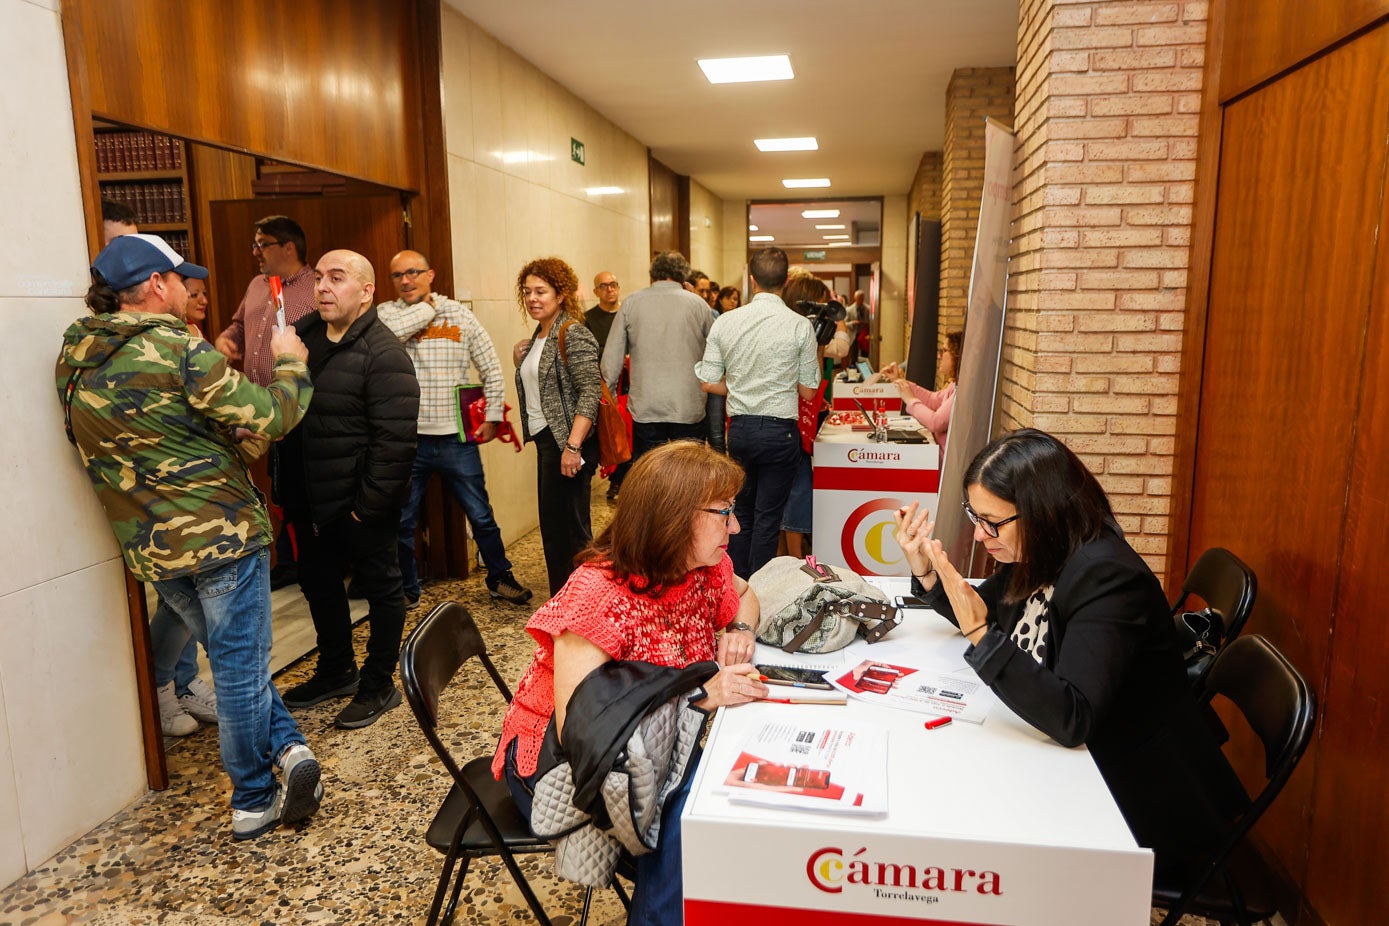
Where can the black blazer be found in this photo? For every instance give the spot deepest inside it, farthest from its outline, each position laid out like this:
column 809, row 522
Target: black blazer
column 1112, row 678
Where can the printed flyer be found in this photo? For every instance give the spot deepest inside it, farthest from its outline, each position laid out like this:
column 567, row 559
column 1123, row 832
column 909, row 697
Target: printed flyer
column 959, row 695
column 812, row 767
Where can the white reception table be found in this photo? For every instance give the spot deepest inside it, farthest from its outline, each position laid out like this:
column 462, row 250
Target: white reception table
column 992, row 823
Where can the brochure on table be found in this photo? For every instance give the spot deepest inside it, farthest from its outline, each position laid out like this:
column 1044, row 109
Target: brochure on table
column 807, row 765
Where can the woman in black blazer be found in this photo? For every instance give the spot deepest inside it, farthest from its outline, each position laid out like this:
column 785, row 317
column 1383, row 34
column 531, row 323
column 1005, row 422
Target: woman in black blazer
column 1073, row 633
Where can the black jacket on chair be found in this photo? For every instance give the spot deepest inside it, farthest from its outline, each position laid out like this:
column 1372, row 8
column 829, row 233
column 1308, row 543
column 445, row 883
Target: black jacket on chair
column 1112, row 678
column 353, row 451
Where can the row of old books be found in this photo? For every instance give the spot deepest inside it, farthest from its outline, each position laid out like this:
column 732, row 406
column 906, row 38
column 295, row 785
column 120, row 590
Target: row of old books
column 158, row 201
column 117, row 152
column 178, row 240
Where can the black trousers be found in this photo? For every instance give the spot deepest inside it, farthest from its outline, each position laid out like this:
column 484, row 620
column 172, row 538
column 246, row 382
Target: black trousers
column 648, row 435
column 565, row 524
column 326, row 554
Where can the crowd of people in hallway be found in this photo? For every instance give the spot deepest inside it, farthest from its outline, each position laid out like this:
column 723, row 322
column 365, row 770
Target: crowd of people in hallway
column 355, row 403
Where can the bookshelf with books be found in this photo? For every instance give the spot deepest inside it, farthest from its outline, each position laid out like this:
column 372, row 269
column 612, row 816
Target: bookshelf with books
column 148, row 172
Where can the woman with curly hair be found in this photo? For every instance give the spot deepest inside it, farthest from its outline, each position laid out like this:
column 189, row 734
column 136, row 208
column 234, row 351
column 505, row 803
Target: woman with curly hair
column 557, row 380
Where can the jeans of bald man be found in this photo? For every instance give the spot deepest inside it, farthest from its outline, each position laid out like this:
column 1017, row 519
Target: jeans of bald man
column 174, row 649
column 566, row 526
column 228, row 610
column 368, row 551
column 460, row 466
column 769, row 450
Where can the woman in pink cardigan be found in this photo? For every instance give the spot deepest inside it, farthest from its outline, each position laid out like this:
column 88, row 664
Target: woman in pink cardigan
column 932, row 409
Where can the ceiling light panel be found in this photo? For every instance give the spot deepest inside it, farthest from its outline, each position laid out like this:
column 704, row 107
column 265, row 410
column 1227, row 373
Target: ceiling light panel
column 743, row 70
column 786, row 144
column 806, row 183
column 760, row 238
column 835, row 237
column 820, row 214
column 829, row 227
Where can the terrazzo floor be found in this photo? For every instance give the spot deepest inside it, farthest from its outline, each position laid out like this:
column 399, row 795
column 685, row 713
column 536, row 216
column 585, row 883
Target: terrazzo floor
column 169, row 858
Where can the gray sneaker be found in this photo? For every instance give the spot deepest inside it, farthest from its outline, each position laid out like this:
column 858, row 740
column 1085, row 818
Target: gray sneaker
column 174, row 720
column 248, row 824
column 300, row 776
column 201, row 701
column 507, row 588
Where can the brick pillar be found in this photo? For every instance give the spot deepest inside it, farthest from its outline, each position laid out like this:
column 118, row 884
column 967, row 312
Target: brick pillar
column 1109, row 96
column 973, row 94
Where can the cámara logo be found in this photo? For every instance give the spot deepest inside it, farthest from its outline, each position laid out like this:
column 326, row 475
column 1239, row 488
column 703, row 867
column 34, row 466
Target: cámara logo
column 829, row 871
column 882, row 456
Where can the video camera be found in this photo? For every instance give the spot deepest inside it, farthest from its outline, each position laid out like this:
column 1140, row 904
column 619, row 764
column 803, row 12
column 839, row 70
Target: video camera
column 823, row 316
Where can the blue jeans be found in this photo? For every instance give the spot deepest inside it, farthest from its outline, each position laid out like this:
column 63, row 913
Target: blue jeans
column 460, row 465
column 769, row 450
column 227, row 607
column 800, row 504
column 174, row 649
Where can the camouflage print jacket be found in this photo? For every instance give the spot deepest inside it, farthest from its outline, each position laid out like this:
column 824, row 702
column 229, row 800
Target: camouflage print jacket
column 152, row 413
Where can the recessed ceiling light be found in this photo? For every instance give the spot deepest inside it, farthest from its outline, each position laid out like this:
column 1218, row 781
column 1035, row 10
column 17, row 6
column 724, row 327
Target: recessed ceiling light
column 828, row 227
column 820, row 214
column 752, row 228
column 742, row 70
column 786, row 144
column 835, row 237
column 806, row 182
column 840, row 244
column 760, row 238
column 604, row 190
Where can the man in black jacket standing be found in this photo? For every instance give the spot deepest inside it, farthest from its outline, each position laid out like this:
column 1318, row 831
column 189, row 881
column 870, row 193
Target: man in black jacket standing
column 345, row 477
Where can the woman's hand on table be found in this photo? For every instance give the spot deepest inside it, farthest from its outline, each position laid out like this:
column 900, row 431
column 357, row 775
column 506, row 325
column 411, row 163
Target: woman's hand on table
column 912, row 535
column 971, row 613
column 735, row 684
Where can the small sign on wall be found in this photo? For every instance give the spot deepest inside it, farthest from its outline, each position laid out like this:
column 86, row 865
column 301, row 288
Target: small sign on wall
column 814, row 255
column 576, row 151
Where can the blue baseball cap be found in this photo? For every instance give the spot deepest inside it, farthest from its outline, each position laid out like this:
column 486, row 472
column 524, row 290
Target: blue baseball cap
column 131, row 259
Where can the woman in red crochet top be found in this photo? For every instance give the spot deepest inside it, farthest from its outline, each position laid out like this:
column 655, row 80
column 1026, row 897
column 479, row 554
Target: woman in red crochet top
column 656, row 586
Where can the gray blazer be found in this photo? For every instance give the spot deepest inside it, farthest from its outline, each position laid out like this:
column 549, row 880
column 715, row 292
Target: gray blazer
column 566, row 389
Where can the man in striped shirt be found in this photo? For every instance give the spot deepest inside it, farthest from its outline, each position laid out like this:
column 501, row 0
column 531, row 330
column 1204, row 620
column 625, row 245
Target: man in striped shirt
column 444, row 339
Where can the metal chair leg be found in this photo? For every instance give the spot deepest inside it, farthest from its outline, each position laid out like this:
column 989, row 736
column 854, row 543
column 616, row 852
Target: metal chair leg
column 519, row 877
column 622, row 894
column 588, row 900
column 450, row 859
column 457, row 890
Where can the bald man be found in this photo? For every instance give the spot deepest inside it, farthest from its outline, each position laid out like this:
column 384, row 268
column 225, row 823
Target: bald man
column 446, row 343
column 345, row 474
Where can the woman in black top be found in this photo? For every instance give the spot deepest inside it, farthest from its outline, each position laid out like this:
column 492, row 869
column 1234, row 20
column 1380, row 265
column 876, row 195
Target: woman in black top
column 1073, row 633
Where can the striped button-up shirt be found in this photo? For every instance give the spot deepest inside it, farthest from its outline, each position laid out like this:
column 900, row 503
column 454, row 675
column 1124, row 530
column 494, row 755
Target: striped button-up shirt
column 762, row 351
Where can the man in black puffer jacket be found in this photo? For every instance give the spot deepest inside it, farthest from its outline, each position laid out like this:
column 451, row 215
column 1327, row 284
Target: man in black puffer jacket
column 345, row 475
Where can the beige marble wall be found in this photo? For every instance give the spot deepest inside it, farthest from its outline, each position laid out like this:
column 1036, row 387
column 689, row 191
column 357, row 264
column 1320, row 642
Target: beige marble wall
column 69, row 722
column 735, row 242
column 516, row 195
column 706, row 232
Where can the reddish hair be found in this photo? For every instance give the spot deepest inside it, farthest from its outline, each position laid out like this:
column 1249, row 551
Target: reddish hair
column 561, row 278
column 648, row 540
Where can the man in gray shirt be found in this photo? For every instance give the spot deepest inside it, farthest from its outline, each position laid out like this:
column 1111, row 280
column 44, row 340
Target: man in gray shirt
column 662, row 328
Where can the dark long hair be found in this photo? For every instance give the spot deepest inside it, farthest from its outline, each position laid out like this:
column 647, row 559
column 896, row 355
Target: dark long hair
column 648, row 539
column 1060, row 504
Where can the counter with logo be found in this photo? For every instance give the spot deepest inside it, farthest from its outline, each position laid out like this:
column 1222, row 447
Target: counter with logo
column 858, row 484
column 990, row 823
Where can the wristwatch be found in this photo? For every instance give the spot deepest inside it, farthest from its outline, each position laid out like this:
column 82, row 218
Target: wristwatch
column 738, row 625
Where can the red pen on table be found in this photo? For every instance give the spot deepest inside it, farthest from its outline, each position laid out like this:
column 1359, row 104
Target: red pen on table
column 936, row 723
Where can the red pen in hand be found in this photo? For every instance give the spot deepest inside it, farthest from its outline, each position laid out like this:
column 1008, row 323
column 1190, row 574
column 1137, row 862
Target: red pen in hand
column 937, row 722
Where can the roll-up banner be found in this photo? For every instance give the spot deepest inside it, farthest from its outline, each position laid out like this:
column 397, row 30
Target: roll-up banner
column 971, row 422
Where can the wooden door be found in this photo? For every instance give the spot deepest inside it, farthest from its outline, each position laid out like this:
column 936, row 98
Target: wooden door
column 1292, row 274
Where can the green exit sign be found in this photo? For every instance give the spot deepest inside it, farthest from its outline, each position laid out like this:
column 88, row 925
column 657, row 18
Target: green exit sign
column 576, row 151
column 814, row 255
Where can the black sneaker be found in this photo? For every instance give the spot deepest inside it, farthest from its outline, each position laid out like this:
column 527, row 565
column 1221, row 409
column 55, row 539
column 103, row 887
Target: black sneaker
column 612, row 492
column 507, row 588
column 367, row 707
column 319, row 689
column 283, row 575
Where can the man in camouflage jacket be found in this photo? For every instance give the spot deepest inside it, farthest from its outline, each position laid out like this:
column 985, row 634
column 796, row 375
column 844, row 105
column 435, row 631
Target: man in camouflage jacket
column 154, row 413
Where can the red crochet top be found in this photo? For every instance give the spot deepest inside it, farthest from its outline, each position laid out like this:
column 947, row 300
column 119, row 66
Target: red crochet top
column 675, row 629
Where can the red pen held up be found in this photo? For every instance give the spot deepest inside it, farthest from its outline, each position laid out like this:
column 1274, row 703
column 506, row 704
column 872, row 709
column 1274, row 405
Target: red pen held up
column 277, row 292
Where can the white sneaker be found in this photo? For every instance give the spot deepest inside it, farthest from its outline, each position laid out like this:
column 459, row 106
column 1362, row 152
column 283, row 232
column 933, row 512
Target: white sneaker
column 201, row 701
column 174, row 719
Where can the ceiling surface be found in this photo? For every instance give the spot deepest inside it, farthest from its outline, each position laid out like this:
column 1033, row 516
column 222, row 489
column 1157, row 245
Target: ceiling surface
column 870, row 80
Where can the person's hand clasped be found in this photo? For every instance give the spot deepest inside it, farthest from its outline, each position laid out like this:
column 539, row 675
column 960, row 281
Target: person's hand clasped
column 904, row 388
column 736, row 646
column 735, row 684
column 912, row 535
column 971, row 613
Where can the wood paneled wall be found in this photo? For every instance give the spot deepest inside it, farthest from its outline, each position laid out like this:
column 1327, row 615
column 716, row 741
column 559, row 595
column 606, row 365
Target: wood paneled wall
column 1288, row 344
column 670, row 209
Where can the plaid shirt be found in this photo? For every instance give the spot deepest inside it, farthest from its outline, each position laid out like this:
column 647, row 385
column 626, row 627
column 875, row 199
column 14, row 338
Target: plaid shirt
column 444, row 338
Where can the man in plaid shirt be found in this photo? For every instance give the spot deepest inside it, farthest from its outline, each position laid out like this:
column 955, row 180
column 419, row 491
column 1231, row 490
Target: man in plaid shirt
column 444, row 339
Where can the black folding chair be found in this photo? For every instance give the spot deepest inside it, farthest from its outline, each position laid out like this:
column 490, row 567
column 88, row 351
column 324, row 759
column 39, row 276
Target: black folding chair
column 1228, row 587
column 479, row 818
column 1232, row 886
